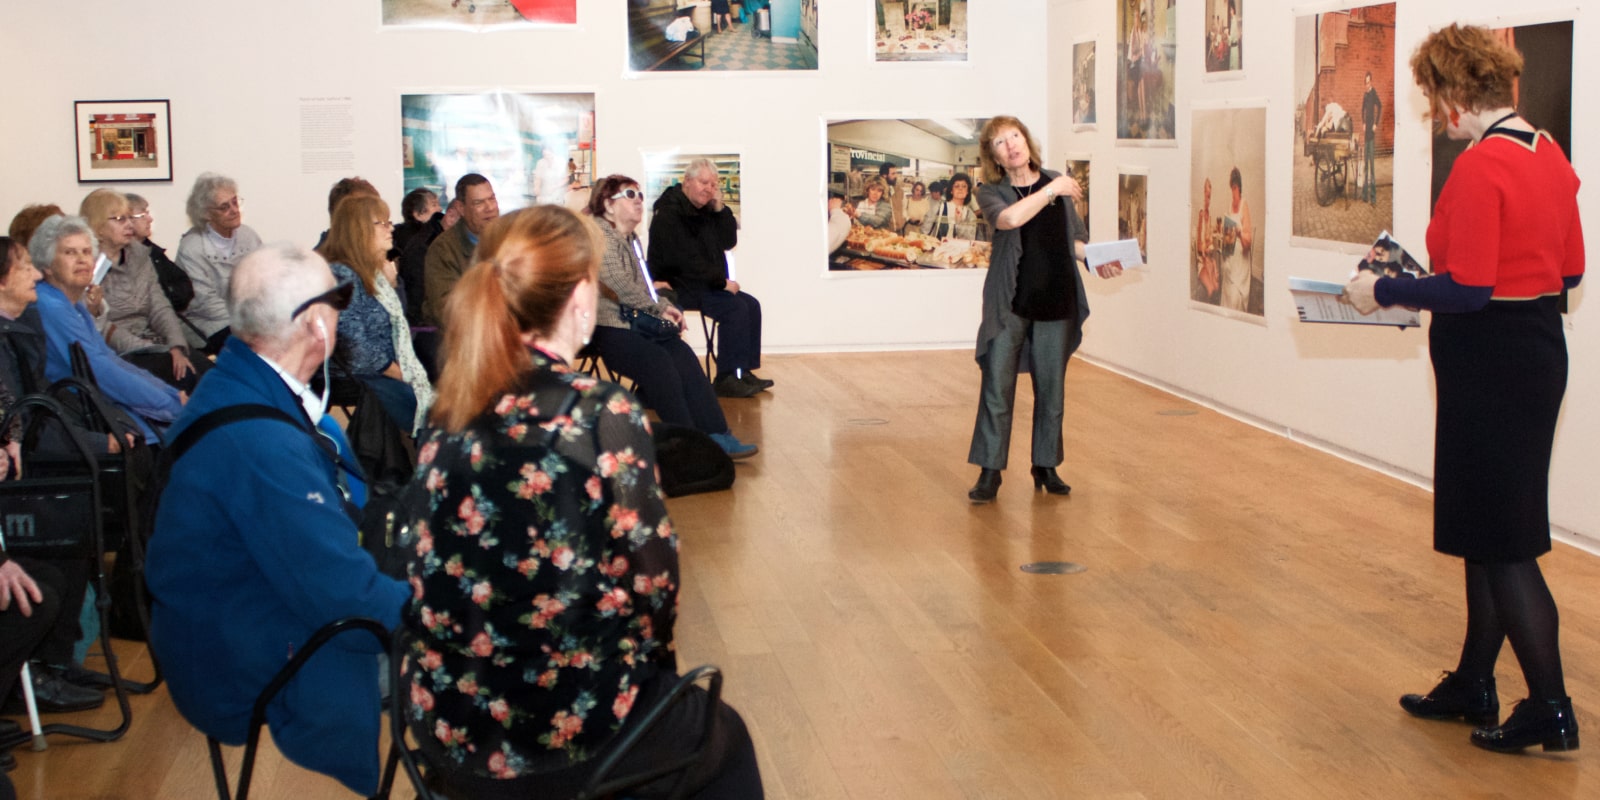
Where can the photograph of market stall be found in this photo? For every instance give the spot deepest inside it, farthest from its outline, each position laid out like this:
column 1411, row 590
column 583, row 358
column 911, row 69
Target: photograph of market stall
column 902, row 195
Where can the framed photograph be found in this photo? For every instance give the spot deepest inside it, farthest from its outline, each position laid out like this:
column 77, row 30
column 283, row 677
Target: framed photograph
column 921, row 30
column 902, row 195
column 123, row 141
column 1228, row 202
column 479, row 15
column 533, row 147
column 1344, row 155
column 701, row 36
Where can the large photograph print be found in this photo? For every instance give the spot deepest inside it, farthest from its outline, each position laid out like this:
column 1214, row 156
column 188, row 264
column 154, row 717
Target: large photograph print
column 1344, row 125
column 902, row 195
column 921, row 30
column 1083, row 112
column 533, row 148
column 1543, row 95
column 1224, row 35
column 1146, row 52
column 1227, row 191
column 1133, row 207
column 721, row 35
column 478, row 14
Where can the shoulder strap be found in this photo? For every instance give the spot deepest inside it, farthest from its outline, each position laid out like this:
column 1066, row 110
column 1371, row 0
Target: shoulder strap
column 225, row 416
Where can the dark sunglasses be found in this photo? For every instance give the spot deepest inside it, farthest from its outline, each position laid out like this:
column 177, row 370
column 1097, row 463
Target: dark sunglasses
column 628, row 193
column 338, row 297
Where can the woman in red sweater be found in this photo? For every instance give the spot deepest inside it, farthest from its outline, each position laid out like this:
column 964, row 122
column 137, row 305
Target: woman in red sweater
column 1505, row 241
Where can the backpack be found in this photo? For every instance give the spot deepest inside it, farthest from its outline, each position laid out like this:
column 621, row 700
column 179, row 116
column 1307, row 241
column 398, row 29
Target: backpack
column 690, row 461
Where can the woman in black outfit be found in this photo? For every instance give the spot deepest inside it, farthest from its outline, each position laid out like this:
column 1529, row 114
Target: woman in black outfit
column 1505, row 240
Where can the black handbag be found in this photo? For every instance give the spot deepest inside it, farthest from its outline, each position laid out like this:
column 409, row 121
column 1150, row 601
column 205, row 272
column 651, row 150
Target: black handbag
column 649, row 325
column 54, row 516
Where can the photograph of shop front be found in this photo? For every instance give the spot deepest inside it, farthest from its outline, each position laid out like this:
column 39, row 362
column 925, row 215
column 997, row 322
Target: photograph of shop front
column 722, row 35
column 908, row 190
column 533, row 148
column 123, row 140
column 1344, row 124
column 478, row 14
column 921, row 30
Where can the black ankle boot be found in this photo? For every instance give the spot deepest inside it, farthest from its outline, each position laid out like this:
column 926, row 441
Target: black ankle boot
column 1543, row 722
column 986, row 488
column 1456, row 697
column 1046, row 478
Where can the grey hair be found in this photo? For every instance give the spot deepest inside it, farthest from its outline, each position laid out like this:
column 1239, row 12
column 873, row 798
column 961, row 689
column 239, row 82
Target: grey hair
column 266, row 287
column 136, row 200
column 205, row 188
column 42, row 247
column 698, row 166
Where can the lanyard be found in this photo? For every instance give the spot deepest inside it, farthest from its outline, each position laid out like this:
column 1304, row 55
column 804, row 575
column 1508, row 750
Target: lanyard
column 644, row 270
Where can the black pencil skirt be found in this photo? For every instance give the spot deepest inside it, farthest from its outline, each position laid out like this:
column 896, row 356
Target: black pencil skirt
column 1501, row 373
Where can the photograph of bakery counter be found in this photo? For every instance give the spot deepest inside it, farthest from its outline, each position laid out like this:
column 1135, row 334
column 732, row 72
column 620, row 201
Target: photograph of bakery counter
column 868, row 249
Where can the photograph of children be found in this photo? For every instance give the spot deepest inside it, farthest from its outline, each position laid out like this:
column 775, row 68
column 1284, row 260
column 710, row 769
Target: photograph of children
column 1146, row 47
column 722, row 35
column 902, row 195
column 921, row 30
column 1343, row 171
column 1543, row 95
column 1224, row 41
column 478, row 14
column 1078, row 168
column 1083, row 85
column 663, row 169
column 533, row 148
column 1387, row 259
column 1132, row 194
column 1227, row 190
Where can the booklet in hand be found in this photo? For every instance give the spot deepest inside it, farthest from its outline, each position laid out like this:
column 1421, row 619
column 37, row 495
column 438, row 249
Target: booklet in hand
column 1324, row 301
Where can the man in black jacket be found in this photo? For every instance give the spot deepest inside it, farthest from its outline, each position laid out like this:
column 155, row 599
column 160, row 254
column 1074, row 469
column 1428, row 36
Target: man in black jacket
column 690, row 233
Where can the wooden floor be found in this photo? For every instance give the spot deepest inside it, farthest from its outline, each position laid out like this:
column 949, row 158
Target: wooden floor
column 1250, row 612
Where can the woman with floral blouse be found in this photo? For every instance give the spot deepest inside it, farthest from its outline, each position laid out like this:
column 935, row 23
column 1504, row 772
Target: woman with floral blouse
column 545, row 574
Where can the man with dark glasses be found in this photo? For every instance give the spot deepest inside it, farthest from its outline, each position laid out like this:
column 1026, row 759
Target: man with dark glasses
column 256, row 542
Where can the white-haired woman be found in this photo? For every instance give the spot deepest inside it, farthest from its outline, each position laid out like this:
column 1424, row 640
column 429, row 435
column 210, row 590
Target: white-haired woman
column 209, row 251
column 65, row 247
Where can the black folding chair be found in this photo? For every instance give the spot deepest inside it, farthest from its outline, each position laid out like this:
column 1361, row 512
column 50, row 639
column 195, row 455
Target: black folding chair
column 601, row 785
column 63, row 516
column 258, row 713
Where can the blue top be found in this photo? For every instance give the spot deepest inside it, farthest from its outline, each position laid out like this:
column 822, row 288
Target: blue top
column 254, row 556
column 366, row 334
column 140, row 393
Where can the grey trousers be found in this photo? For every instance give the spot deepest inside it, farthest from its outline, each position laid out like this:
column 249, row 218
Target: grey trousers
column 1047, row 345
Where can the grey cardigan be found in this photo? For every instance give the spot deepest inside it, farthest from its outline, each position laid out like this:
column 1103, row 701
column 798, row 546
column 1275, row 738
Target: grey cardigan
column 619, row 272
column 1000, row 285
column 137, row 307
column 210, row 272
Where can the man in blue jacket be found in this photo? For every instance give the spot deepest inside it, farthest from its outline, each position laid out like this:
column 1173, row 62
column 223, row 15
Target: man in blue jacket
column 255, row 547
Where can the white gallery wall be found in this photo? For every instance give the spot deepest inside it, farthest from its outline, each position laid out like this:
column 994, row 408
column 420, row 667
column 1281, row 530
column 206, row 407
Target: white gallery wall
column 237, row 74
column 1365, row 391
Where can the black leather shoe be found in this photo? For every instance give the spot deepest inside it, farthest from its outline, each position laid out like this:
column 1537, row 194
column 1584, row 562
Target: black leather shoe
column 1456, row 697
column 79, row 675
column 731, row 386
column 1046, row 478
column 1543, row 722
column 8, row 762
column 54, row 695
column 986, row 488
column 750, row 377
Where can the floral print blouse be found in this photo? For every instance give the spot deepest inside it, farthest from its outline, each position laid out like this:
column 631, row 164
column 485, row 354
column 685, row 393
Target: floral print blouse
column 544, row 576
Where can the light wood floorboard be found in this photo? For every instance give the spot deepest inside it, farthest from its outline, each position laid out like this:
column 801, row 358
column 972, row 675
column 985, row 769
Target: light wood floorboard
column 1250, row 611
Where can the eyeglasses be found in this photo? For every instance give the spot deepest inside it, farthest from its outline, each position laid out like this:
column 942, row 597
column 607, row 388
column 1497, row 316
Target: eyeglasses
column 139, row 216
column 631, row 194
column 338, row 297
column 119, row 219
column 231, row 204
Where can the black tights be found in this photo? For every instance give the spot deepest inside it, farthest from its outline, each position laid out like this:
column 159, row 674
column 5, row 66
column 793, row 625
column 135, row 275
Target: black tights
column 1511, row 601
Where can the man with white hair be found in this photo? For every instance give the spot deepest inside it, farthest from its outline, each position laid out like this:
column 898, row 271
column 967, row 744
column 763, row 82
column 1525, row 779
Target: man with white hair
column 690, row 233
column 256, row 542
